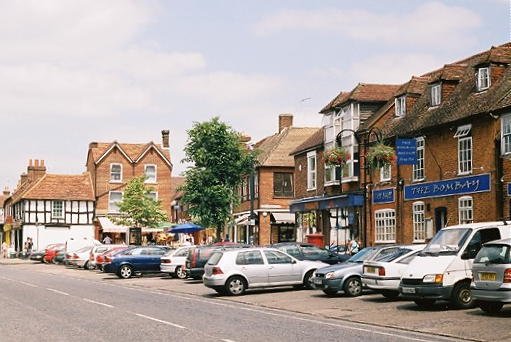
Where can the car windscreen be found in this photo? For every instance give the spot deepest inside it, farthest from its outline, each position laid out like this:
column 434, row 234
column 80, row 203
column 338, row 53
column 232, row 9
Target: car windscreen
column 493, row 254
column 215, row 258
column 447, row 241
column 364, row 254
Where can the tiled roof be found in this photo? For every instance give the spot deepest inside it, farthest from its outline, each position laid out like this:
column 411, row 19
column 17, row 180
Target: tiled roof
column 59, row 187
column 275, row 150
column 2, row 200
column 415, row 86
column 363, row 92
column 175, row 183
column 133, row 151
column 313, row 142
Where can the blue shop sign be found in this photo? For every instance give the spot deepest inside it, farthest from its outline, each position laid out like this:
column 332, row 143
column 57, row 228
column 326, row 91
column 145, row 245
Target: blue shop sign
column 383, row 196
column 455, row 186
column 406, row 151
column 509, row 189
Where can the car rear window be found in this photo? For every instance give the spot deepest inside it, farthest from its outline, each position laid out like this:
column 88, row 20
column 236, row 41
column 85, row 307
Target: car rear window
column 493, row 254
column 215, row 258
column 393, row 255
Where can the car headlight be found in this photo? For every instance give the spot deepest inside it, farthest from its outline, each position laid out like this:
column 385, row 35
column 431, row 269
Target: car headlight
column 330, row 275
column 433, row 278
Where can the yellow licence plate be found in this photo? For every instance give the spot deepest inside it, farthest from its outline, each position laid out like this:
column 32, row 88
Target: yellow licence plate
column 487, row 276
column 370, row 269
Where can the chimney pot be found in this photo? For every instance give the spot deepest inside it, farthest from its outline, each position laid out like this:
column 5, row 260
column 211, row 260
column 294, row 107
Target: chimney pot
column 165, row 138
column 42, row 162
column 36, row 163
column 285, row 121
column 30, row 162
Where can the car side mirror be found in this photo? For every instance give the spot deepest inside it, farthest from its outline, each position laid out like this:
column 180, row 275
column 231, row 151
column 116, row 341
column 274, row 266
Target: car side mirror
column 465, row 255
column 293, row 261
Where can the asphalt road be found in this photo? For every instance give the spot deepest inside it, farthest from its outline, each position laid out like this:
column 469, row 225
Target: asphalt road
column 36, row 306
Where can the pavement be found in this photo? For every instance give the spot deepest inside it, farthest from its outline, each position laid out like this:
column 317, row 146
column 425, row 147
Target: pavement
column 16, row 261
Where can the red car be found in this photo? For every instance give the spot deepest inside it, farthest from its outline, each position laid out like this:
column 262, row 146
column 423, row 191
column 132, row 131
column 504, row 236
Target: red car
column 102, row 259
column 51, row 251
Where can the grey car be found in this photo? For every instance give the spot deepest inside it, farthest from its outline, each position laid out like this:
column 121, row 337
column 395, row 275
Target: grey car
column 347, row 276
column 491, row 271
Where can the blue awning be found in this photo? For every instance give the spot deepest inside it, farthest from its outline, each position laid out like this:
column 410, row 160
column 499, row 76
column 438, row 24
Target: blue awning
column 330, row 202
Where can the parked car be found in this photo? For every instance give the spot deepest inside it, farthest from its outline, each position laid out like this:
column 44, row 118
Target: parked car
column 51, row 251
column 135, row 260
column 96, row 251
column 307, row 251
column 38, row 255
column 383, row 275
column 60, row 257
column 233, row 271
column 101, row 258
column 80, row 257
column 174, row 262
column 338, row 249
column 491, row 287
column 199, row 255
column 443, row 270
column 347, row 276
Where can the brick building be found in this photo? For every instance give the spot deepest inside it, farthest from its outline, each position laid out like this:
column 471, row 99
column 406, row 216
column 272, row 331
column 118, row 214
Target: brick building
column 112, row 165
column 458, row 119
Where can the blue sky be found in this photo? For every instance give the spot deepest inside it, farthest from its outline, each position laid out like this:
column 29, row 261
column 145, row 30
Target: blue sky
column 72, row 72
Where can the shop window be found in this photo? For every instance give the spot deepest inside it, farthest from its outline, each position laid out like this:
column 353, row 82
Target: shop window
column 385, row 221
column 419, row 225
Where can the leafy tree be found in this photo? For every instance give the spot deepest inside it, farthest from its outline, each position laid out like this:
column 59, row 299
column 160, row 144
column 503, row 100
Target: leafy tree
column 221, row 160
column 137, row 208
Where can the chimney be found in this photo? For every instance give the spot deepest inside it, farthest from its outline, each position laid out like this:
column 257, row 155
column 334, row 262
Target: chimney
column 285, row 121
column 165, row 138
column 6, row 192
column 35, row 170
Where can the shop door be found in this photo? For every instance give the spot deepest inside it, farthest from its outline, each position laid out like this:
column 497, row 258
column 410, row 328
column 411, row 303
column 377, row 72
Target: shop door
column 440, row 218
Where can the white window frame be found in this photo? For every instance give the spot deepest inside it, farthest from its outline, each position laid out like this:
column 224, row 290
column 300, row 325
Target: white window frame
column 385, row 226
column 155, row 194
column 463, row 131
column 436, row 94
column 312, row 167
column 55, row 211
column 400, row 105
column 465, row 209
column 419, row 222
column 483, row 78
column 465, row 155
column 111, row 202
column 505, row 134
column 112, row 180
column 418, row 172
column 386, row 173
column 147, row 180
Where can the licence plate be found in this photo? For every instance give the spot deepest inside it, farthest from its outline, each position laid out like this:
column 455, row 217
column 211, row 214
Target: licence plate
column 370, row 269
column 408, row 290
column 487, row 276
column 318, row 281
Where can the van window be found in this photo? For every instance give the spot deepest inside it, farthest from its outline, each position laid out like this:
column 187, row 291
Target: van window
column 249, row 258
column 480, row 237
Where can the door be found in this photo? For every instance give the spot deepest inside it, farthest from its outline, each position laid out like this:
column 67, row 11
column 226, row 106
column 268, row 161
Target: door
column 251, row 264
column 440, row 218
column 281, row 268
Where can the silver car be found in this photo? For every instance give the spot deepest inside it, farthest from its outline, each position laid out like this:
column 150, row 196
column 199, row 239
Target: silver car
column 491, row 271
column 233, row 271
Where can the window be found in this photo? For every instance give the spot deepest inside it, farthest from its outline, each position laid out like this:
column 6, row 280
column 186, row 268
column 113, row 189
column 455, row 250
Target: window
column 275, row 257
column 116, row 173
column 400, row 104
column 463, row 131
column 418, row 169
column 311, row 170
column 153, row 195
column 436, row 94
column 256, row 185
column 283, row 184
column 113, row 202
column 385, row 221
column 483, row 78
column 57, row 209
column 465, row 210
column 505, row 132
column 419, row 225
column 385, row 173
column 480, row 237
column 464, row 155
column 249, row 258
column 150, row 173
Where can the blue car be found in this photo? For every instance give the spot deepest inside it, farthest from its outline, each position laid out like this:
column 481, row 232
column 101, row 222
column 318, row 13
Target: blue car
column 135, row 260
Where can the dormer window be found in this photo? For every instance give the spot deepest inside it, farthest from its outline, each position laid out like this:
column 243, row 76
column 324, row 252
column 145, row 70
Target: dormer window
column 483, row 78
column 400, row 104
column 436, row 94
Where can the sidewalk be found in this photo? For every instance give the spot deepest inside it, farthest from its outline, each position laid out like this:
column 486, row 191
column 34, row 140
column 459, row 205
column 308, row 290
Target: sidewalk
column 16, row 261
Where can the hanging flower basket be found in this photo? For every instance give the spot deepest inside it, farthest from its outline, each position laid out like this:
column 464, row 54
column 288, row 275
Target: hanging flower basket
column 337, row 156
column 380, row 155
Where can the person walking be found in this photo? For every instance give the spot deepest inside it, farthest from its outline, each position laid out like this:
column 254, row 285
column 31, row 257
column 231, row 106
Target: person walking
column 107, row 240
column 5, row 248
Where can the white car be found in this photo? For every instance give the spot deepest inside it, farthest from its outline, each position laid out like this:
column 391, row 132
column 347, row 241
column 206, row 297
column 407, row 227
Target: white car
column 385, row 274
column 79, row 257
column 174, row 262
column 97, row 250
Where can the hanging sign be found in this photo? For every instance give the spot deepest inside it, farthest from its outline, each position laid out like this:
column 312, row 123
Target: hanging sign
column 406, row 151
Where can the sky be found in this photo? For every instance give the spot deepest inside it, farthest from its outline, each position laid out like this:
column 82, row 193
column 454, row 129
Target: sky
column 74, row 72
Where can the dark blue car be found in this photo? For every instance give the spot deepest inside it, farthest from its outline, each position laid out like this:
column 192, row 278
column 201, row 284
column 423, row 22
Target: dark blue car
column 135, row 260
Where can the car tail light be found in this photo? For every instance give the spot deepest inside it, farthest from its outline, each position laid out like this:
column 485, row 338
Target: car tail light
column 194, row 258
column 507, row 276
column 381, row 271
column 108, row 259
column 165, row 261
column 75, row 256
column 217, row 270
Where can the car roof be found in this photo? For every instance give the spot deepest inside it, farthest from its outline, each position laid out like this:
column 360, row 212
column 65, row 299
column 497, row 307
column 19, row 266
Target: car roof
column 304, row 244
column 479, row 225
column 235, row 250
column 499, row 242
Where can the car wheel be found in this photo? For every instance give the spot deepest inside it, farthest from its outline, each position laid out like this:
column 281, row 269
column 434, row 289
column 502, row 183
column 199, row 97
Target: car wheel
column 54, row 261
column 330, row 292
column 180, row 273
column 490, row 307
column 462, row 296
column 307, row 280
column 353, row 287
column 90, row 266
column 235, row 286
column 390, row 294
column 424, row 302
column 125, row 271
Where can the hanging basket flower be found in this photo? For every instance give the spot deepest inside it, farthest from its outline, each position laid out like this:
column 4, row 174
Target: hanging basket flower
column 337, row 156
column 380, row 155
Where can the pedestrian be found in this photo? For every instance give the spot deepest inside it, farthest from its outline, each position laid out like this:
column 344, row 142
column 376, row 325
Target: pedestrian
column 354, row 247
column 5, row 248
column 107, row 240
column 30, row 245
column 187, row 242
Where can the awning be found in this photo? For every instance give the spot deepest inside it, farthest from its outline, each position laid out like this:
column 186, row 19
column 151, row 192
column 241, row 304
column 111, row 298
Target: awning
column 241, row 220
column 186, row 228
column 110, row 227
column 286, row 218
column 331, row 202
column 152, row 230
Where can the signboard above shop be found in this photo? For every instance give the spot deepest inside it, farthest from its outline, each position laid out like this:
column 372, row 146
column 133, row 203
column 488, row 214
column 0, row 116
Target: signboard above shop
column 383, row 196
column 449, row 187
column 406, row 151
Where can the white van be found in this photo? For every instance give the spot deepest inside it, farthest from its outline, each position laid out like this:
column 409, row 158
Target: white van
column 443, row 269
column 75, row 243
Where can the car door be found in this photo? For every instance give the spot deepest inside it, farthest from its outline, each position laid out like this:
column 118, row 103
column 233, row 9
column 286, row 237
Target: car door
column 281, row 267
column 252, row 265
column 154, row 259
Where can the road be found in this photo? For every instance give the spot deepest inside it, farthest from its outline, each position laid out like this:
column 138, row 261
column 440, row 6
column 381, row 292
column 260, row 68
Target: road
column 39, row 306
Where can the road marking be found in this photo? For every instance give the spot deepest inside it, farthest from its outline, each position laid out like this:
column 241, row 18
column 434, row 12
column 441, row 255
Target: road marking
column 227, row 340
column 98, row 303
column 28, row 284
column 57, row 291
column 160, row 321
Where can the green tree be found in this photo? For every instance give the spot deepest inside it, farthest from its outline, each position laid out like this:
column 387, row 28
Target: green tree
column 220, row 161
column 137, row 208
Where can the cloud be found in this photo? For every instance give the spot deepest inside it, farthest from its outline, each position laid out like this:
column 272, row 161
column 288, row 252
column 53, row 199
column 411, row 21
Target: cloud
column 433, row 23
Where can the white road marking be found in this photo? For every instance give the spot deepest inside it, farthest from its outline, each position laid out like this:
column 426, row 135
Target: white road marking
column 98, row 303
column 227, row 340
column 160, row 321
column 57, row 291
column 28, row 284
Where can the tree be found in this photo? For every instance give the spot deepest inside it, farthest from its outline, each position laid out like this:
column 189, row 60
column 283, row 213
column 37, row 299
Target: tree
column 220, row 161
column 137, row 208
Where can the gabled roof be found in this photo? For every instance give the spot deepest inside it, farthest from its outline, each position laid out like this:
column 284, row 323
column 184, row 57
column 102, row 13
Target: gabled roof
column 57, row 187
column 415, row 86
column 315, row 141
column 275, row 150
column 132, row 152
column 363, row 92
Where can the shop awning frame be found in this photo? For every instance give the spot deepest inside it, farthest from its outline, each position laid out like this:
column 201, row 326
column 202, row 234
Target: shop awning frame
column 330, row 202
